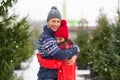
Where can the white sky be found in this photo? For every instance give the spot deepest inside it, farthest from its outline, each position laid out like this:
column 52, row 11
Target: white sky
column 76, row 9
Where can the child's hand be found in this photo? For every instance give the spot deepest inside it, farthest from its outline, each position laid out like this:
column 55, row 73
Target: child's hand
column 71, row 60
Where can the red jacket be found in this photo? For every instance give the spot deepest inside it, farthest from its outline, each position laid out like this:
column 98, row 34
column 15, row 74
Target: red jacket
column 65, row 72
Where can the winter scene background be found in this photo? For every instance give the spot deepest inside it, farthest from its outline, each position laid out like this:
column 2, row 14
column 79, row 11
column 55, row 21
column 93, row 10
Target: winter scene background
column 94, row 25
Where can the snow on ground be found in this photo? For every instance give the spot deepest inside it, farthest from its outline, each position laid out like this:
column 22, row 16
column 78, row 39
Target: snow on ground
column 30, row 71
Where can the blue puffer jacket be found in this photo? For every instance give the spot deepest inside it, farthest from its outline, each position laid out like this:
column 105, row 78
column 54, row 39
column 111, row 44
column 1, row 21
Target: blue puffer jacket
column 48, row 49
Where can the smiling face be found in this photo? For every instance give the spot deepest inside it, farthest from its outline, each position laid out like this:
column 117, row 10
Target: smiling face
column 54, row 24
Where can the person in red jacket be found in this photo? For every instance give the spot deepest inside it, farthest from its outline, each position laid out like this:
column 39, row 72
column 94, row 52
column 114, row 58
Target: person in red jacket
column 66, row 70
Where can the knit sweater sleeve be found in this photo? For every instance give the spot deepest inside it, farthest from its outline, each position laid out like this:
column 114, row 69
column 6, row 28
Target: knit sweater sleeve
column 48, row 46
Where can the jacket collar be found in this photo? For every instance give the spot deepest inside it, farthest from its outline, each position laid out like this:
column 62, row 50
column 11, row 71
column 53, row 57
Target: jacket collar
column 48, row 31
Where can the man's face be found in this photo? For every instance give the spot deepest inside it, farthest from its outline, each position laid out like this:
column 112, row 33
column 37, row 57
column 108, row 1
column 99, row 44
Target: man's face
column 54, row 24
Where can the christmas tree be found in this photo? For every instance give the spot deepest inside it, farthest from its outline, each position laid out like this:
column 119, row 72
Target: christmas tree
column 15, row 45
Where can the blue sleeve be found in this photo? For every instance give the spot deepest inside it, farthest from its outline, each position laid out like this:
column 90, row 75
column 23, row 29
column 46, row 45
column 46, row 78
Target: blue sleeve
column 65, row 54
column 49, row 46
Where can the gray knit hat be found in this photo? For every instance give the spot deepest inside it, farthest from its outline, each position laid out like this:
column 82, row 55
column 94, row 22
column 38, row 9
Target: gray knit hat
column 54, row 13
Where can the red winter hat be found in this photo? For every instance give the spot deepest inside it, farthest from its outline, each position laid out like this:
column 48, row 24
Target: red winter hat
column 62, row 30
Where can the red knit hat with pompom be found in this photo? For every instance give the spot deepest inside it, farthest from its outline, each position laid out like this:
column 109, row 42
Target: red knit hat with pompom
column 62, row 30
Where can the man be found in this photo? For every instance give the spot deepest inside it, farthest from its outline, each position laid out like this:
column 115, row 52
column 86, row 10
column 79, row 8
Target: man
column 48, row 47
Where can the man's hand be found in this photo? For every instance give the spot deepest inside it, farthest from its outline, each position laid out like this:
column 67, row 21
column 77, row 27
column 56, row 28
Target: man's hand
column 78, row 49
column 71, row 61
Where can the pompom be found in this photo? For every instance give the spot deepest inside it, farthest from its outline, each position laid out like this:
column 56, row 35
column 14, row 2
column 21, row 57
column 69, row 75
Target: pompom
column 55, row 8
column 62, row 31
column 63, row 22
